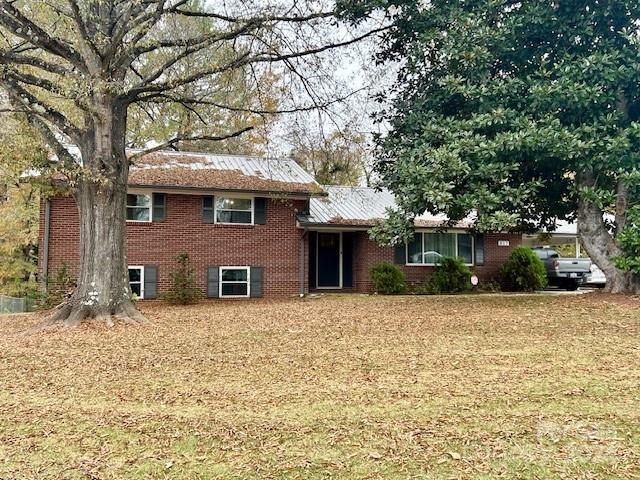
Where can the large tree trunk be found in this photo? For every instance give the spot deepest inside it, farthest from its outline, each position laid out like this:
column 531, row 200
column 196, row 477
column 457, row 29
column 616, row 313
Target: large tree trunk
column 102, row 290
column 602, row 248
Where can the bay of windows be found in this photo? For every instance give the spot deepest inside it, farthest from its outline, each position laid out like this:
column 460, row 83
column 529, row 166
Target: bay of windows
column 428, row 248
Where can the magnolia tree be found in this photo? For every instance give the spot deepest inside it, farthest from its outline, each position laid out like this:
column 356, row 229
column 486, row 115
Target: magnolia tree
column 74, row 69
column 521, row 112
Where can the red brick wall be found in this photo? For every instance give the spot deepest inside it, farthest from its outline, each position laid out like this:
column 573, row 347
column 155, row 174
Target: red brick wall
column 368, row 254
column 274, row 246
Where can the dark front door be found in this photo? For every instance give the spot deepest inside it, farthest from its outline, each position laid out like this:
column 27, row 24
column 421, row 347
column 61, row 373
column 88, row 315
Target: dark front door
column 328, row 256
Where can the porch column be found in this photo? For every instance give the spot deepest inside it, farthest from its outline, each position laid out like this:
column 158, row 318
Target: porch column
column 302, row 262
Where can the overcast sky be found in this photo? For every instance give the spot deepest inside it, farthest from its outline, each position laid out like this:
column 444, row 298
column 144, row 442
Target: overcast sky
column 336, row 73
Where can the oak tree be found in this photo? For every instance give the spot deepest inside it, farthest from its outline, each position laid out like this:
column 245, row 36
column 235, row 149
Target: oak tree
column 75, row 68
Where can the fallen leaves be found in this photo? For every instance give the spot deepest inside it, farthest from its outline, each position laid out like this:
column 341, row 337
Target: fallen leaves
column 340, row 387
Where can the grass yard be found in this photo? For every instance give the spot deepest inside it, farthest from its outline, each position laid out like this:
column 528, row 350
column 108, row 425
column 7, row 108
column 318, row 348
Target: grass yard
column 336, row 387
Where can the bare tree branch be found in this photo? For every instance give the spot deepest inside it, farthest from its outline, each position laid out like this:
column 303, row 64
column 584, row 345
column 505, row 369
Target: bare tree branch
column 178, row 139
column 261, row 19
column 245, row 59
column 51, row 138
column 20, row 26
column 37, row 107
column 85, row 38
column 17, row 59
column 167, row 98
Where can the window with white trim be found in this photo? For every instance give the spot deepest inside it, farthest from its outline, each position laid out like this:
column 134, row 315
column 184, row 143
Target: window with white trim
column 139, row 207
column 429, row 248
column 234, row 210
column 136, row 281
column 234, row 282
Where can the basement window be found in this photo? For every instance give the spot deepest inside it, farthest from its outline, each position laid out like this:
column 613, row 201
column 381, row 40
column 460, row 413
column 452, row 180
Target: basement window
column 139, row 208
column 136, row 281
column 234, row 282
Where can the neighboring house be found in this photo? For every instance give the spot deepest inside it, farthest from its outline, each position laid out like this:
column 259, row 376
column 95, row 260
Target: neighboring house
column 258, row 227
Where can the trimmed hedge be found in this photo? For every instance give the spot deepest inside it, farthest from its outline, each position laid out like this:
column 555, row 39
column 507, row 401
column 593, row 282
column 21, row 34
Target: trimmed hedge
column 523, row 272
column 450, row 276
column 388, row 279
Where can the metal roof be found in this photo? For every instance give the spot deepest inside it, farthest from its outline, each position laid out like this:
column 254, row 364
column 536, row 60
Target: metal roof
column 276, row 169
column 176, row 169
column 360, row 206
column 365, row 206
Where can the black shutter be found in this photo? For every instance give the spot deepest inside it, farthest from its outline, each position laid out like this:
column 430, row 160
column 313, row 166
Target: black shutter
column 159, row 207
column 207, row 209
column 257, row 276
column 260, row 211
column 479, row 249
column 150, row 282
column 400, row 254
column 213, row 282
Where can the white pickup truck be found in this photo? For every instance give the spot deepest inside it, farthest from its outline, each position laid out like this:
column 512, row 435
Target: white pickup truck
column 567, row 273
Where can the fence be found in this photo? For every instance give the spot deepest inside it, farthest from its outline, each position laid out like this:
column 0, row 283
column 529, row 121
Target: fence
column 15, row 305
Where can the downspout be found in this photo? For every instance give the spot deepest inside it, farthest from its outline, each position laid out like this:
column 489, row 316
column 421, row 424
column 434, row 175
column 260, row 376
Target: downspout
column 302, row 269
column 45, row 244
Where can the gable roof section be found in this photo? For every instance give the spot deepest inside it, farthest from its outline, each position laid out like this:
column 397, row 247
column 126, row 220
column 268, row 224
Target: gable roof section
column 221, row 172
column 361, row 207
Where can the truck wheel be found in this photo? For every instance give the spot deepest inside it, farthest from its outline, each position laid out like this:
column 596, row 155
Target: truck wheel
column 572, row 286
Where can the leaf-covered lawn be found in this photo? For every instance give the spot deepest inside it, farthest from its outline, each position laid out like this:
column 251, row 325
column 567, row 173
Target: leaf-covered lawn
column 335, row 387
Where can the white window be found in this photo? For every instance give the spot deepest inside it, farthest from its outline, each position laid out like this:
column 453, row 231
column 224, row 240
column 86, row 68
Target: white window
column 139, row 207
column 428, row 248
column 234, row 210
column 234, row 282
column 136, row 281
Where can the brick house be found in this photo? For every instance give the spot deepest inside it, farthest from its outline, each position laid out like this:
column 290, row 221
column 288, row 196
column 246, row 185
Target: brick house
column 258, row 227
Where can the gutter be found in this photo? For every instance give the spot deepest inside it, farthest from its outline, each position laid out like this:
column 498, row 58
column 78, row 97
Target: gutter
column 45, row 244
column 208, row 191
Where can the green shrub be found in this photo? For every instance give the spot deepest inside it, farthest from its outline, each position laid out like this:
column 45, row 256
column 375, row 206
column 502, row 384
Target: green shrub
column 388, row 279
column 490, row 286
column 450, row 276
column 183, row 290
column 523, row 272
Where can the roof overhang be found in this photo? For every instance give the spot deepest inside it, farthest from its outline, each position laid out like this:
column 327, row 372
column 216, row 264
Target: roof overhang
column 208, row 191
column 365, row 227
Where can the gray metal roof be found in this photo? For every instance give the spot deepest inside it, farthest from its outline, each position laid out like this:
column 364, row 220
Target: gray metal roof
column 276, row 169
column 358, row 206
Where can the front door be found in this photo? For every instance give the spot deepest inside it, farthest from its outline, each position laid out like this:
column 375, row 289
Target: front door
column 328, row 258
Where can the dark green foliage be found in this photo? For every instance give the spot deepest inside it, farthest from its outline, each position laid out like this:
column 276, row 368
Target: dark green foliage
column 629, row 240
column 529, row 110
column 183, row 290
column 450, row 276
column 388, row 279
column 523, row 272
column 59, row 288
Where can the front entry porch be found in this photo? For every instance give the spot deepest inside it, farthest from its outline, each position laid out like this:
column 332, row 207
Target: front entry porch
column 331, row 260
